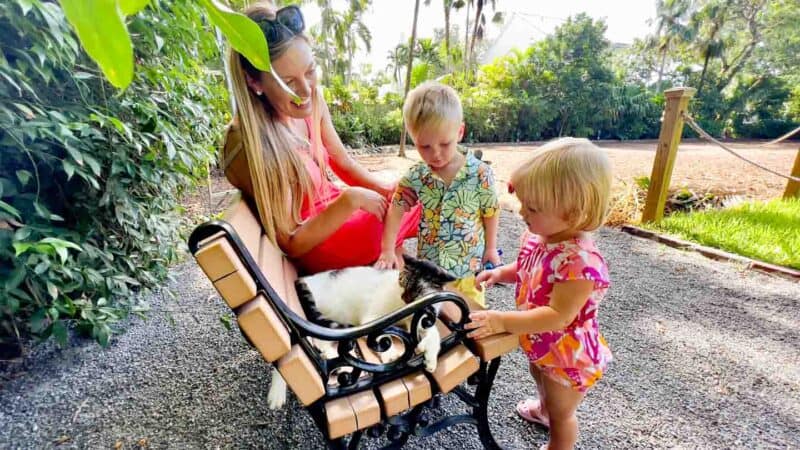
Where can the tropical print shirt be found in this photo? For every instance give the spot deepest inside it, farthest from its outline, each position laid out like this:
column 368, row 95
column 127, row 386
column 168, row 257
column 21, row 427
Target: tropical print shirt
column 451, row 230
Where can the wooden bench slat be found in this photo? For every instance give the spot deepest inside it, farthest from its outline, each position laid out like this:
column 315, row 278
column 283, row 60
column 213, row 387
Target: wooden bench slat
column 217, row 258
column 454, row 367
column 290, row 276
column 247, row 226
column 270, row 261
column 264, row 328
column 341, row 418
column 298, row 371
column 236, row 288
column 418, row 387
column 366, row 408
column 487, row 348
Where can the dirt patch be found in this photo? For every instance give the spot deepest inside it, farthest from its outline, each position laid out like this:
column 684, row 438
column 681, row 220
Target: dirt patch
column 699, row 167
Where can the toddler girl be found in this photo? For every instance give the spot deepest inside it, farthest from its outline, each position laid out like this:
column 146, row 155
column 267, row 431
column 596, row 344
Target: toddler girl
column 561, row 278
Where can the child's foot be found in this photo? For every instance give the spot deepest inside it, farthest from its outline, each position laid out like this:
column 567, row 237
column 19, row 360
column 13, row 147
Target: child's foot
column 531, row 411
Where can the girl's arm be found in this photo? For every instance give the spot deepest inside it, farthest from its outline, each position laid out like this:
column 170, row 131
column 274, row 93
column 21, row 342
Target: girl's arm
column 502, row 274
column 566, row 301
column 317, row 229
column 345, row 167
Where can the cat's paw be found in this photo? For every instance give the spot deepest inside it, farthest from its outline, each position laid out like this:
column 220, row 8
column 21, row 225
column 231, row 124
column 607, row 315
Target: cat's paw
column 276, row 397
column 431, row 361
column 327, row 349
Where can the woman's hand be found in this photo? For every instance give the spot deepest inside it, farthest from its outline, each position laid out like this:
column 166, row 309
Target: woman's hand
column 489, row 277
column 368, row 200
column 485, row 323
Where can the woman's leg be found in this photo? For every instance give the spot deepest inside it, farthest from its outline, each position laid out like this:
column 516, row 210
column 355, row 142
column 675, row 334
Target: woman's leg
column 561, row 402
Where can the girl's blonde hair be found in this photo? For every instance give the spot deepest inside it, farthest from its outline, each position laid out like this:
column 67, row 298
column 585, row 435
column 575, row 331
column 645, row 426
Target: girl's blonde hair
column 280, row 180
column 569, row 176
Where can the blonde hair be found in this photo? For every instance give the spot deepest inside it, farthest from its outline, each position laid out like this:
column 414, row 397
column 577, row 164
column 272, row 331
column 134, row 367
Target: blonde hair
column 430, row 105
column 569, row 176
column 280, row 180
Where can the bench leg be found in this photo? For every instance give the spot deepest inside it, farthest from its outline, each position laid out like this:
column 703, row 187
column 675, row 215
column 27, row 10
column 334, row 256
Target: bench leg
column 480, row 413
column 343, row 444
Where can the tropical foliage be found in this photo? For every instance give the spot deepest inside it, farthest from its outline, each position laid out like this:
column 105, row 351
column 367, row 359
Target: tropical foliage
column 90, row 176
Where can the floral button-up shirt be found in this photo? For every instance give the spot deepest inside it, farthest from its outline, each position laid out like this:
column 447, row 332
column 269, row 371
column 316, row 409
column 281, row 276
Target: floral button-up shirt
column 451, row 232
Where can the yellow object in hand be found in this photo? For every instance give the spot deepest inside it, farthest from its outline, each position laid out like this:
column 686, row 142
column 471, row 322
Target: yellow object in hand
column 466, row 286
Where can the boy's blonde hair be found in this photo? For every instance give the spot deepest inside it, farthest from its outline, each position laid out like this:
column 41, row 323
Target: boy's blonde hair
column 429, row 106
column 569, row 176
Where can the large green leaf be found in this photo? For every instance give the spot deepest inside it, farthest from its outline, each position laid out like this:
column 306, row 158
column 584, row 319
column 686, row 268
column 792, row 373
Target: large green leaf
column 103, row 34
column 130, row 7
column 243, row 34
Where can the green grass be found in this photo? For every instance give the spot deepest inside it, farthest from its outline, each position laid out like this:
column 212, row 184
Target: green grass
column 768, row 231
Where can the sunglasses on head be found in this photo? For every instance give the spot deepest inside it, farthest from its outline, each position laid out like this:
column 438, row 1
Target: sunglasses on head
column 287, row 24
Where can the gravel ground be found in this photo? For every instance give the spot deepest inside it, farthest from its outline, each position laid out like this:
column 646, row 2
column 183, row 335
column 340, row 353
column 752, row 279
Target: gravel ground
column 706, row 356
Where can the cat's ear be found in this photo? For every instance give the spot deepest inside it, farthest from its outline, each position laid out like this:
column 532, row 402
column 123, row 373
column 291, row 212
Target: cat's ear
column 409, row 260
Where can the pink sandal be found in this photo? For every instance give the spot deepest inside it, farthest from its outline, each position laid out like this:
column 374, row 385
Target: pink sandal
column 531, row 411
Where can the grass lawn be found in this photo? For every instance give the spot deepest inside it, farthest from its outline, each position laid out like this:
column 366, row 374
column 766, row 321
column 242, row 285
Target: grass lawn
column 767, row 231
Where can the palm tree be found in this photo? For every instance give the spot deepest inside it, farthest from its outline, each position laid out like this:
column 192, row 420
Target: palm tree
column 670, row 30
column 448, row 6
column 479, row 24
column 338, row 36
column 411, row 44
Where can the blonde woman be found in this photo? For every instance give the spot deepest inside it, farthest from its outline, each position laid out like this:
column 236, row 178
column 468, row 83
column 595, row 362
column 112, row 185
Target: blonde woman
column 279, row 146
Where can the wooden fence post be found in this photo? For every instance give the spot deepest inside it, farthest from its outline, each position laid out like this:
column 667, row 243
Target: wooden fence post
column 677, row 100
column 793, row 187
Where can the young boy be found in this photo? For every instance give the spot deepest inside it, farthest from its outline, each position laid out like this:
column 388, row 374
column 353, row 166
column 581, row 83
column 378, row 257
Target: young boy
column 458, row 229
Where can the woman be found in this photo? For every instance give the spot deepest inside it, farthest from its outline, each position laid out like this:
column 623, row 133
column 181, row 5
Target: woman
column 278, row 149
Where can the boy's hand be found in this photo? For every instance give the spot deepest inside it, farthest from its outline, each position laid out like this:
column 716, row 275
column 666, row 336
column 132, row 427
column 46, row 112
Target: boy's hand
column 487, row 278
column 485, row 323
column 389, row 260
column 491, row 255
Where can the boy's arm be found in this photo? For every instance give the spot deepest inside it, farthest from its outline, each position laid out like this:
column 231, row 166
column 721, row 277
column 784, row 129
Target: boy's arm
column 390, row 228
column 490, row 225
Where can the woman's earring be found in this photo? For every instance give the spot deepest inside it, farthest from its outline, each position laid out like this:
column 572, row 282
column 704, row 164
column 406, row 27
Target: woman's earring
column 258, row 93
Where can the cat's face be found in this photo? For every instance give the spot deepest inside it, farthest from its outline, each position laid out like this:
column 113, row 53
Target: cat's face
column 419, row 277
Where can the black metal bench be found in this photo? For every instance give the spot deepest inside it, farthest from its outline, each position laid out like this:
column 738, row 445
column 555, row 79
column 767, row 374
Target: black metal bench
column 357, row 391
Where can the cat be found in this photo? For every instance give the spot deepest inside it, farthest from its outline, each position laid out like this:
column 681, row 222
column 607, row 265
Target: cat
column 358, row 295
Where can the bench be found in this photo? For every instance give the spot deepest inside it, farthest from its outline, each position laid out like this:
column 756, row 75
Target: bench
column 358, row 392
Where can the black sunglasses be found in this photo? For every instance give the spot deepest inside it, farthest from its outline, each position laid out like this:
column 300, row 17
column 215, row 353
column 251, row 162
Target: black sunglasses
column 288, row 23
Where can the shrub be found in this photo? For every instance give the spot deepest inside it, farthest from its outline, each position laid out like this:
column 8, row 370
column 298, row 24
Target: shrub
column 90, row 177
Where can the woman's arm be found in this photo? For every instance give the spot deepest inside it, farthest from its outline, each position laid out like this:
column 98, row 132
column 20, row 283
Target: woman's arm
column 317, row 229
column 345, row 167
column 566, row 301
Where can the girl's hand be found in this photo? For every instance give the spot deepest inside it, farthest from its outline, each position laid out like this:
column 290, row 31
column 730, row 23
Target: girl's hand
column 368, row 200
column 389, row 260
column 485, row 323
column 489, row 277
column 491, row 255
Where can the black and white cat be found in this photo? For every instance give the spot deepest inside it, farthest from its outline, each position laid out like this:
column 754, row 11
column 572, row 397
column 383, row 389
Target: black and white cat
column 358, row 295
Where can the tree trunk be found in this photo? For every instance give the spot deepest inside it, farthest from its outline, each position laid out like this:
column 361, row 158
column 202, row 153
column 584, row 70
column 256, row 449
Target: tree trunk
column 411, row 44
column 478, row 12
column 466, row 41
column 447, row 33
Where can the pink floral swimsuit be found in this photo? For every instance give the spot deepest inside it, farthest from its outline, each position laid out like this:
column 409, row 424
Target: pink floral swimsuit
column 578, row 355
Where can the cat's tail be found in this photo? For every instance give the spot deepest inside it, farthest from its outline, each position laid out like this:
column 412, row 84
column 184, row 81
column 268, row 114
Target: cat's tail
column 309, row 305
column 276, row 397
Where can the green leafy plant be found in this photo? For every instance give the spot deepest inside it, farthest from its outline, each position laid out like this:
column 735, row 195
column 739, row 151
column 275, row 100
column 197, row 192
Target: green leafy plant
column 90, row 177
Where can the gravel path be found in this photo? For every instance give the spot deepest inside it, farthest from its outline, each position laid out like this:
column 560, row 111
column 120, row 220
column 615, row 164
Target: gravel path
column 706, row 356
